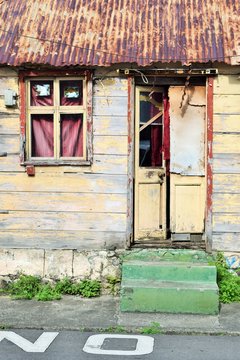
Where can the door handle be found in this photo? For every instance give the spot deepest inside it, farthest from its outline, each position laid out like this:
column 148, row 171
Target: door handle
column 161, row 175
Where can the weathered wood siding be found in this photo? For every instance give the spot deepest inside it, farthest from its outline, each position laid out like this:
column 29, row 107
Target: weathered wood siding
column 226, row 163
column 67, row 206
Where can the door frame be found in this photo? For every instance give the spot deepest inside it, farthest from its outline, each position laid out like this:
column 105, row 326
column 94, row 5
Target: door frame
column 131, row 165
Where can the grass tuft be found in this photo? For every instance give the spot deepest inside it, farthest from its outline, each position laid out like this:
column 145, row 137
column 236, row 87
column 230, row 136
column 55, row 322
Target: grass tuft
column 154, row 328
column 228, row 281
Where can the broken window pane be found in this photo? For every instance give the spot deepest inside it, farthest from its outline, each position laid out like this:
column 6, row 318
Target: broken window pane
column 41, row 93
column 150, row 128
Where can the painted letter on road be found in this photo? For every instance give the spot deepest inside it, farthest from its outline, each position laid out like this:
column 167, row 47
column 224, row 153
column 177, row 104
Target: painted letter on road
column 94, row 343
column 39, row 346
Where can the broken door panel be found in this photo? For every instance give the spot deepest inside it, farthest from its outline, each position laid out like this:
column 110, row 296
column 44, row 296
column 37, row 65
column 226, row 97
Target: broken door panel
column 187, row 130
column 187, row 163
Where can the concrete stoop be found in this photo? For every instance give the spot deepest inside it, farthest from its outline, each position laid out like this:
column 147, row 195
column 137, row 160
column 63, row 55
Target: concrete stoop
column 170, row 287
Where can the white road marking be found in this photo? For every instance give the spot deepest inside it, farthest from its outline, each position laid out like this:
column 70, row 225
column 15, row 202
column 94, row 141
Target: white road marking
column 144, row 345
column 39, row 346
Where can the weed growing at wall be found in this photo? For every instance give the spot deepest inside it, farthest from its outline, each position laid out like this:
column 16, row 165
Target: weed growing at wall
column 47, row 293
column 113, row 284
column 26, row 287
column 85, row 288
column 228, row 281
column 31, row 287
column 65, row 286
column 118, row 329
column 90, row 288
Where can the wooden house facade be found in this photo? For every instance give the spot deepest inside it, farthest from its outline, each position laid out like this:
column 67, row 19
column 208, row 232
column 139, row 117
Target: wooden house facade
column 106, row 148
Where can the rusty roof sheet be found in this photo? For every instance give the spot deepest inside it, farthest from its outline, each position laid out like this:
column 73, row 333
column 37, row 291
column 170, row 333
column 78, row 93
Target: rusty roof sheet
column 104, row 32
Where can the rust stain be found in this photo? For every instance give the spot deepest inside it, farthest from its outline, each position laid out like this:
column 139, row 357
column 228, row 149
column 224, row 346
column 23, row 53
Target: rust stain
column 83, row 32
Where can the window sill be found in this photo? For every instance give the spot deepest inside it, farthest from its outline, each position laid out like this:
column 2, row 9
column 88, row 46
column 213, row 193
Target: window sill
column 56, row 163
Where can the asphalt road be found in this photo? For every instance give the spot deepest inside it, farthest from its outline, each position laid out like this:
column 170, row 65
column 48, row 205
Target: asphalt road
column 74, row 345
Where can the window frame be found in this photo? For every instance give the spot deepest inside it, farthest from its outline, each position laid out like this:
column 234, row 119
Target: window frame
column 26, row 110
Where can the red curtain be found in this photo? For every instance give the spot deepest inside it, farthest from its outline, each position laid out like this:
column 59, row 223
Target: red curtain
column 37, row 100
column 71, row 85
column 72, row 135
column 156, row 143
column 166, row 135
column 156, row 133
column 42, row 136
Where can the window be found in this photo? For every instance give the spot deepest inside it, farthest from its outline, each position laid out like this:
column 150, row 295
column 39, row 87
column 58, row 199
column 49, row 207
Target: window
column 56, row 122
column 150, row 128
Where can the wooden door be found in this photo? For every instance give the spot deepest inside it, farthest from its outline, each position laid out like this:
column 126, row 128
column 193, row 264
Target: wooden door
column 150, row 183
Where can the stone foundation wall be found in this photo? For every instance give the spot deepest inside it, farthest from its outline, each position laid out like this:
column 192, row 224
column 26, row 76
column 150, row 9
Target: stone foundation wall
column 57, row 264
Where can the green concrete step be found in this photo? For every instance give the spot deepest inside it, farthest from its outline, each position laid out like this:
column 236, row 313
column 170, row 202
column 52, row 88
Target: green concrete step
column 172, row 255
column 168, row 271
column 169, row 296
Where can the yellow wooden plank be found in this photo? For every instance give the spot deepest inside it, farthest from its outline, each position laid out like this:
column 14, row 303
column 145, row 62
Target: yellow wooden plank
column 226, row 183
column 21, row 220
column 110, row 86
column 110, row 164
column 3, row 109
column 226, row 104
column 226, row 222
column 11, row 163
column 223, row 203
column 95, row 183
column 114, row 106
column 226, row 164
column 102, row 164
column 226, row 143
column 9, row 125
column 110, row 125
column 67, row 202
column 110, row 145
column 226, row 242
column 10, row 143
column 83, row 240
column 226, row 123
column 226, row 84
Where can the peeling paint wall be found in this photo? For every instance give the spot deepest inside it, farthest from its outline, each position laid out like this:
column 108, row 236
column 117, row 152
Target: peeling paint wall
column 67, row 206
column 187, row 130
column 226, row 164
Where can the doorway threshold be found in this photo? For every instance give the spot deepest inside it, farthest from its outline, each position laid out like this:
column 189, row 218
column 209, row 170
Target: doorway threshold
column 168, row 243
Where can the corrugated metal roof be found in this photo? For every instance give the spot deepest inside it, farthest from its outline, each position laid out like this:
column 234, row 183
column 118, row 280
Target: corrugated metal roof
column 103, row 32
